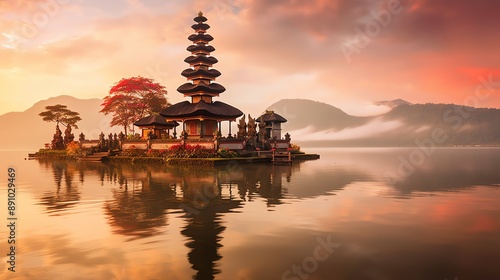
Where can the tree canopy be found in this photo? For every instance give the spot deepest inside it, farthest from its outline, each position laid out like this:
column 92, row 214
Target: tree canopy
column 61, row 115
column 132, row 99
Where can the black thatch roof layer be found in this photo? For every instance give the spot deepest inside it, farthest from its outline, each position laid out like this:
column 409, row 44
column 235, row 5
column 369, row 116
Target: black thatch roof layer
column 209, row 60
column 200, row 36
column 200, row 18
column 212, row 73
column 203, row 87
column 200, row 26
column 270, row 116
column 155, row 120
column 216, row 109
column 207, row 48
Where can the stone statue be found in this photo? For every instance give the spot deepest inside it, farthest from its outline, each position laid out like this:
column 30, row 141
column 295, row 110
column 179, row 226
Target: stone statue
column 262, row 132
column 101, row 141
column 116, row 142
column 68, row 136
column 110, row 141
column 121, row 137
column 252, row 131
column 242, row 128
column 216, row 134
column 57, row 140
column 183, row 137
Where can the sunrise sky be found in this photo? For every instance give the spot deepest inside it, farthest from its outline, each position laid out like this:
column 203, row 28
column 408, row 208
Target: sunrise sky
column 347, row 53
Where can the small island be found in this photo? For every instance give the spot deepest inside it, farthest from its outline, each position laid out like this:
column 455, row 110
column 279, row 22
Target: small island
column 142, row 102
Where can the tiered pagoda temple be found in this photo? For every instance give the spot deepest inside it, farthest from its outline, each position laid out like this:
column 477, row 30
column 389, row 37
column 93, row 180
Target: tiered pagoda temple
column 201, row 116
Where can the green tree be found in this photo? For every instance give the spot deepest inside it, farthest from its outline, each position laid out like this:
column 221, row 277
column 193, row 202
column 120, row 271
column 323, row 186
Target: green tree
column 60, row 114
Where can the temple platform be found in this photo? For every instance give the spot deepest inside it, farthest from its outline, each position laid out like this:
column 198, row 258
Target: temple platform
column 95, row 157
column 209, row 161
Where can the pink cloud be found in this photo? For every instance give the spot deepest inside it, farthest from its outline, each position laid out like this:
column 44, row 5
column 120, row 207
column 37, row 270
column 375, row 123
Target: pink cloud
column 432, row 51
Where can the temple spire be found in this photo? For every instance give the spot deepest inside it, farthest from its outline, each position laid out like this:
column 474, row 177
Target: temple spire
column 201, row 75
column 202, row 116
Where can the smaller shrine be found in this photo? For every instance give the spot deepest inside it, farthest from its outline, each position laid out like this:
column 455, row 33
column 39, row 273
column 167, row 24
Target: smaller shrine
column 156, row 127
column 271, row 123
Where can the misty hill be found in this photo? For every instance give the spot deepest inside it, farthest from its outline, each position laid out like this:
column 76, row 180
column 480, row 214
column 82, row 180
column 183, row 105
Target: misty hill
column 27, row 131
column 323, row 124
column 301, row 113
column 392, row 103
column 461, row 124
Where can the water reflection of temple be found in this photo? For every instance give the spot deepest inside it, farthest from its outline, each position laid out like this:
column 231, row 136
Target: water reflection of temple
column 204, row 194
column 146, row 194
column 143, row 195
column 262, row 180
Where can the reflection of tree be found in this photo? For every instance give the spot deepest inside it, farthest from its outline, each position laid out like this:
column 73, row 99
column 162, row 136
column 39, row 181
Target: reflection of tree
column 65, row 197
column 138, row 206
column 135, row 213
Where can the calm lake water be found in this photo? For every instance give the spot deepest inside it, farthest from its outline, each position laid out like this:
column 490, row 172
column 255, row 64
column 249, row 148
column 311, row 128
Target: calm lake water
column 356, row 213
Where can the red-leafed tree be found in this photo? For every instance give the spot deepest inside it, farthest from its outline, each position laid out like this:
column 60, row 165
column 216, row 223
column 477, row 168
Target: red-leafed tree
column 133, row 98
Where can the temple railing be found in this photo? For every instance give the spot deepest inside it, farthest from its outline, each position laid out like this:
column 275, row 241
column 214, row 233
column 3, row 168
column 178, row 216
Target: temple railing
column 232, row 144
column 135, row 144
column 164, row 144
column 280, row 144
column 159, row 144
column 88, row 144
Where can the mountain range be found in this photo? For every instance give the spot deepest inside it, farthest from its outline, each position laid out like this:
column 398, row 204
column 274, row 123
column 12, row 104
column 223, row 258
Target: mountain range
column 392, row 103
column 406, row 124
column 310, row 123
